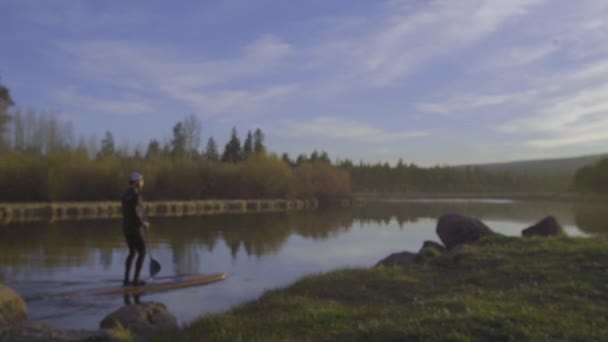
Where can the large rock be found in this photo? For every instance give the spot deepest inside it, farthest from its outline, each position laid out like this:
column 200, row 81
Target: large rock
column 142, row 319
column 546, row 227
column 454, row 230
column 12, row 307
column 28, row 331
column 397, row 259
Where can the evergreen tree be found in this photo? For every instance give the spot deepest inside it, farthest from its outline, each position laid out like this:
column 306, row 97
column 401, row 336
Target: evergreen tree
column 232, row 150
column 325, row 158
column 153, row 152
column 286, row 159
column 248, row 146
column 178, row 143
column 5, row 103
column 258, row 142
column 211, row 152
column 107, row 146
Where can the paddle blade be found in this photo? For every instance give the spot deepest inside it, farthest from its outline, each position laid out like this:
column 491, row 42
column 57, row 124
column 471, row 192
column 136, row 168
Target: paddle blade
column 154, row 268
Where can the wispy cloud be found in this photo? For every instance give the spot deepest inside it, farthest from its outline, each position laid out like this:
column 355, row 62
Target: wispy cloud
column 207, row 85
column 124, row 106
column 344, row 129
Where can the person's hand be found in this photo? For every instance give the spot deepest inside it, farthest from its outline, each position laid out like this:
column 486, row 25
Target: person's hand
column 146, row 225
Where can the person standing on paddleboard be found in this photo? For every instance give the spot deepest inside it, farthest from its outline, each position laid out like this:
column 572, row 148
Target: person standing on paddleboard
column 134, row 226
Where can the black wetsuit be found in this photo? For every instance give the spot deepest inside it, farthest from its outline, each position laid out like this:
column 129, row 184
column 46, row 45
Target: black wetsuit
column 133, row 213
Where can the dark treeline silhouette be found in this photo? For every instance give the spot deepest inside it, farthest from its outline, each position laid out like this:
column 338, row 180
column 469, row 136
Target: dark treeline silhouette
column 593, row 178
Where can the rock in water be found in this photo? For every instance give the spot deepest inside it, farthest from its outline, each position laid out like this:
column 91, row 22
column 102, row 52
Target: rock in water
column 397, row 259
column 12, row 307
column 142, row 319
column 546, row 227
column 454, row 229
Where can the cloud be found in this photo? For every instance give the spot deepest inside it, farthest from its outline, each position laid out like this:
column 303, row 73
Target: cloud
column 344, row 129
column 207, row 85
column 470, row 102
column 70, row 97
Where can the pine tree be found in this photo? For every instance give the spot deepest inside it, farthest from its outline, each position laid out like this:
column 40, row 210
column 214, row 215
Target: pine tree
column 232, row 150
column 211, row 152
column 107, row 146
column 248, row 146
column 286, row 159
column 258, row 142
column 178, row 143
column 153, row 152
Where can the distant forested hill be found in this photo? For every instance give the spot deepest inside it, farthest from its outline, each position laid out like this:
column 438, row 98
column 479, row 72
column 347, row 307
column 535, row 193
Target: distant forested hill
column 562, row 166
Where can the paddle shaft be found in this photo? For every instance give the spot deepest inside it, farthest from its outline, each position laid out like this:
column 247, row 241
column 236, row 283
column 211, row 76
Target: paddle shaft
column 149, row 248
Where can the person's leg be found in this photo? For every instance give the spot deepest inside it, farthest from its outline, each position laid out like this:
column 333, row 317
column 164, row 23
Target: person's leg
column 140, row 246
column 129, row 261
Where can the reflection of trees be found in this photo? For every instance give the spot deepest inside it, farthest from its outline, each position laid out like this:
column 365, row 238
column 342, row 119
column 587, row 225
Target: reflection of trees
column 258, row 234
column 28, row 247
column 591, row 219
column 526, row 212
column 321, row 225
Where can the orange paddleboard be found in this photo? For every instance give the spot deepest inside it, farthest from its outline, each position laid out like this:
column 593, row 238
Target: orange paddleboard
column 166, row 284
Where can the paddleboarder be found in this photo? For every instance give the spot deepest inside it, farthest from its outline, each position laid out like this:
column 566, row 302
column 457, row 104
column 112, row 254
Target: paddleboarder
column 134, row 226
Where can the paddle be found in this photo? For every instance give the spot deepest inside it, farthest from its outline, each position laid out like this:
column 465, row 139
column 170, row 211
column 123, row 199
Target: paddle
column 154, row 265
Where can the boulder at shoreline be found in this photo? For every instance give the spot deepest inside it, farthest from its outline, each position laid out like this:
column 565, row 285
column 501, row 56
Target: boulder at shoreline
column 455, row 229
column 143, row 319
column 545, row 227
column 12, row 307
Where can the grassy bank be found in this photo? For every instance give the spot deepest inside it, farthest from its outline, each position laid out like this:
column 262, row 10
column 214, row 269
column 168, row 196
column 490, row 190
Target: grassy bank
column 498, row 289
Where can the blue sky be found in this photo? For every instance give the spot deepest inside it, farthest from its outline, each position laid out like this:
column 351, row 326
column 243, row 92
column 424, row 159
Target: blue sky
column 432, row 82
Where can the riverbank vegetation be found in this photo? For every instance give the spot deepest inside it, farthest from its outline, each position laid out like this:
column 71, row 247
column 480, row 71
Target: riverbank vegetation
column 496, row 289
column 593, row 178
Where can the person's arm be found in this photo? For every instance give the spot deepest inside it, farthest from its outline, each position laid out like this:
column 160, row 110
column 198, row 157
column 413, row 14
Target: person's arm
column 140, row 211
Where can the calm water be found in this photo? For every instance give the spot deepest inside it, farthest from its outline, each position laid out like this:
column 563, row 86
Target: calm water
column 258, row 251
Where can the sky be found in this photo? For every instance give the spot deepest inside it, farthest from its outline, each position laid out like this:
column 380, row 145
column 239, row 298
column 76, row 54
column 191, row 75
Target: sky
column 430, row 82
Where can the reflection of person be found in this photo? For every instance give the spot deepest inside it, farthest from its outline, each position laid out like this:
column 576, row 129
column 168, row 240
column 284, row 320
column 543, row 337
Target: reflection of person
column 134, row 226
column 127, row 299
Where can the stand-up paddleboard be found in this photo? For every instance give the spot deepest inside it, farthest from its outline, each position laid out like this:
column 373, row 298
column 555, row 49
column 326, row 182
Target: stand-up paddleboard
column 168, row 283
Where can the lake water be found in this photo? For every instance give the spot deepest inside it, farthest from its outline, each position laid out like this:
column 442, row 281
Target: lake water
column 258, row 251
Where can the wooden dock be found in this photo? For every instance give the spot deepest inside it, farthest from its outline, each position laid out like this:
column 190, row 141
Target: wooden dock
column 60, row 211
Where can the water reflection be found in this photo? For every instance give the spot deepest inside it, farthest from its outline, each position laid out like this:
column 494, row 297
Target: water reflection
column 29, row 247
column 259, row 251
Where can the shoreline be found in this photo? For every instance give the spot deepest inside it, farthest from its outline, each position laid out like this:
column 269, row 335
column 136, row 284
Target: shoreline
column 490, row 289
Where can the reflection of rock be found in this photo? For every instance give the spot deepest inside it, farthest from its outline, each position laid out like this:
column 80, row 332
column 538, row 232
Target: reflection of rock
column 142, row 319
column 397, row 259
column 454, row 229
column 27, row 331
column 546, row 227
column 12, row 307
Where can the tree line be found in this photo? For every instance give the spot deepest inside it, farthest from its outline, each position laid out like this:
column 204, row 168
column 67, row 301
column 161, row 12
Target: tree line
column 592, row 178
column 43, row 160
column 404, row 178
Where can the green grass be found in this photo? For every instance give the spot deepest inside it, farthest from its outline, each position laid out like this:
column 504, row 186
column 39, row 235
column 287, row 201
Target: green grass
column 500, row 289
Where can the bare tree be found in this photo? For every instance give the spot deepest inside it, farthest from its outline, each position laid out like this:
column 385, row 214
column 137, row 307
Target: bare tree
column 192, row 129
column 19, row 138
